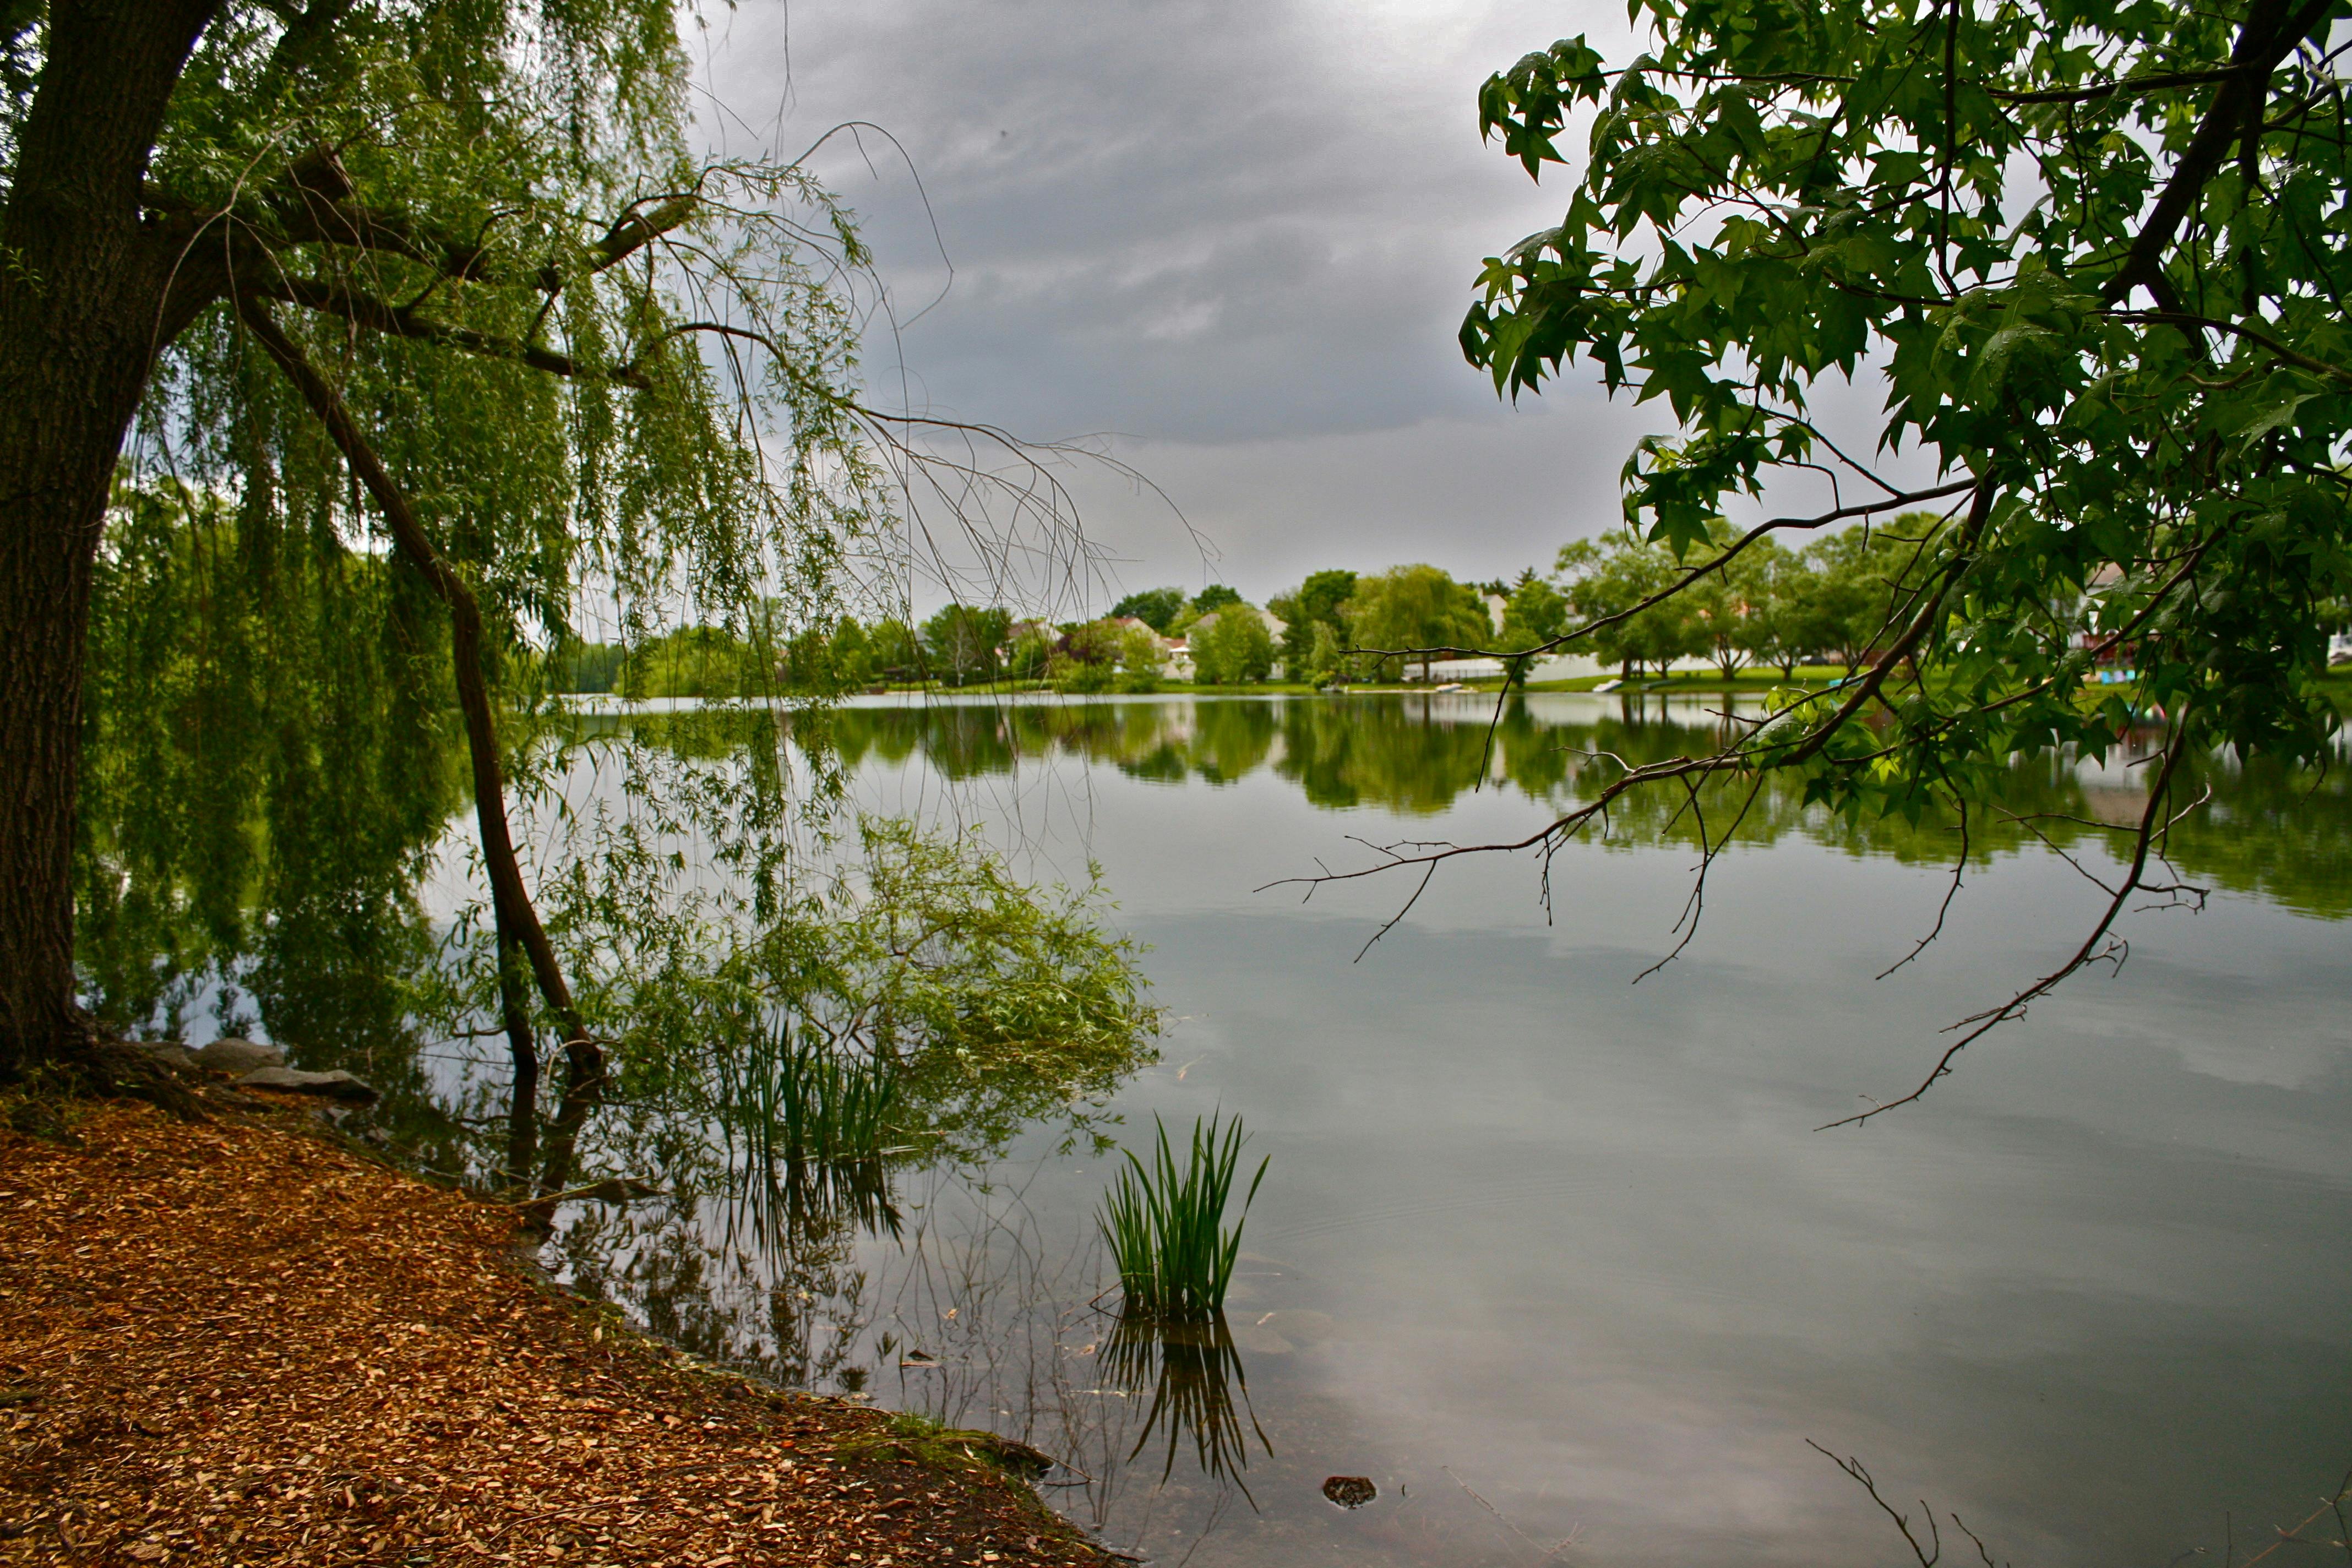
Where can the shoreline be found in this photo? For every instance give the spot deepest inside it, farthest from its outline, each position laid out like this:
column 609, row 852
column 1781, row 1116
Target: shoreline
column 235, row 1341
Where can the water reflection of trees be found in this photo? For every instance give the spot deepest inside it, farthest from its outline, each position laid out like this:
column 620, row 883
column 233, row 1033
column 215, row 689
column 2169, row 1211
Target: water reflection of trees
column 261, row 797
column 2278, row 834
column 785, row 1301
column 1390, row 754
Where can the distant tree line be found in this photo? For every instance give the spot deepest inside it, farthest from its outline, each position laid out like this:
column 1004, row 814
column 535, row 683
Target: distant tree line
column 960, row 645
column 1824, row 605
column 1827, row 604
column 1769, row 606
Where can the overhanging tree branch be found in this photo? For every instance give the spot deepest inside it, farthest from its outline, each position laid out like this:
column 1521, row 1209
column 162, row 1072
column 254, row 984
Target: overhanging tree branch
column 2155, row 81
column 2238, row 329
column 1768, row 261
column 518, row 920
column 2269, row 34
column 380, row 315
column 2090, row 950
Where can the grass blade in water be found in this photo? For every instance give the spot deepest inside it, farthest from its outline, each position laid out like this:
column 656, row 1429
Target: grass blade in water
column 1164, row 1223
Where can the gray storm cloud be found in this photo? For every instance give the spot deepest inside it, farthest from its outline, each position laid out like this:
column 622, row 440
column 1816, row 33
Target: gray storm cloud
column 1234, row 242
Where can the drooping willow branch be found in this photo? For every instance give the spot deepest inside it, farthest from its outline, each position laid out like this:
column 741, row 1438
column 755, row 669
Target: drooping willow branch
column 517, row 918
column 264, row 285
column 1040, row 493
column 964, row 484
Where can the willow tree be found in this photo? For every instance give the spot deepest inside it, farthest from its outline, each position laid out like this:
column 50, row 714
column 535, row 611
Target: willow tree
column 438, row 284
column 2097, row 250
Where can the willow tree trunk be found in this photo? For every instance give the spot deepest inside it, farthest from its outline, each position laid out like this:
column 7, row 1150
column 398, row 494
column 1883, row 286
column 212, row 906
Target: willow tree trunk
column 82, row 311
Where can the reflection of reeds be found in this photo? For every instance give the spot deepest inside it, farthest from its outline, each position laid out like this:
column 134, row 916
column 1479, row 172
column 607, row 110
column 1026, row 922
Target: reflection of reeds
column 828, row 1105
column 815, row 1122
column 1198, row 1387
column 1164, row 1225
column 797, row 1197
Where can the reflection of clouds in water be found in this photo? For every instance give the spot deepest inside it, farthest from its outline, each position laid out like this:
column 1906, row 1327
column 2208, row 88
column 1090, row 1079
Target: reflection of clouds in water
column 2299, row 1060
column 1613, row 1261
column 2206, row 1018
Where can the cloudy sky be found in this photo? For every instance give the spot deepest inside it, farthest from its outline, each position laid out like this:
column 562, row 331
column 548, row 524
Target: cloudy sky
column 1233, row 241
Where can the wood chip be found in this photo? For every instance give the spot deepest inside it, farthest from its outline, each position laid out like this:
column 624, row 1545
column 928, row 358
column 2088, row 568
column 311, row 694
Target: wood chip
column 238, row 1343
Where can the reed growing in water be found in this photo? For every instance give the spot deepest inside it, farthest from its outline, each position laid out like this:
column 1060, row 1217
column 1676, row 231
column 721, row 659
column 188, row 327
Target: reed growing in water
column 1164, row 1224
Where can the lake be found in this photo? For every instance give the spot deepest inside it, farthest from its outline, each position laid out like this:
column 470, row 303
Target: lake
column 1557, row 1261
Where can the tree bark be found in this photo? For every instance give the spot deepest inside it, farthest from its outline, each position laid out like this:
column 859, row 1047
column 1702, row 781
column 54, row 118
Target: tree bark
column 522, row 1046
column 82, row 288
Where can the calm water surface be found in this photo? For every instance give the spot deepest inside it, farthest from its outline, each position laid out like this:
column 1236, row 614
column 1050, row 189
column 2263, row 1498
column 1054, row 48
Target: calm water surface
column 1557, row 1261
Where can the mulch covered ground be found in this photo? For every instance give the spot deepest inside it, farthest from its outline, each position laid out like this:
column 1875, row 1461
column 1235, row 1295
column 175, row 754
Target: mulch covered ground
column 227, row 1343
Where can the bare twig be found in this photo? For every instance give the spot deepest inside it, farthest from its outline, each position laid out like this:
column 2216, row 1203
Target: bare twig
column 2333, row 1504
column 1959, row 865
column 1853, row 1467
column 1696, row 905
column 2090, row 950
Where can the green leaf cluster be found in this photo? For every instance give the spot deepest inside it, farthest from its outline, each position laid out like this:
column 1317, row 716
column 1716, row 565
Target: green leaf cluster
column 1417, row 606
column 1106, row 655
column 1315, row 629
column 1155, row 608
column 2098, row 254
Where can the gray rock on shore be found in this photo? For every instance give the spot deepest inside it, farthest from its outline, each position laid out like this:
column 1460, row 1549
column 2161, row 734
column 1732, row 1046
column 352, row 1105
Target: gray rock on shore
column 290, row 1081
column 230, row 1053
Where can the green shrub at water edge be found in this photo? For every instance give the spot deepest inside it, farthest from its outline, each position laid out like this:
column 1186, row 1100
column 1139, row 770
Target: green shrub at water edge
column 1164, row 1224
